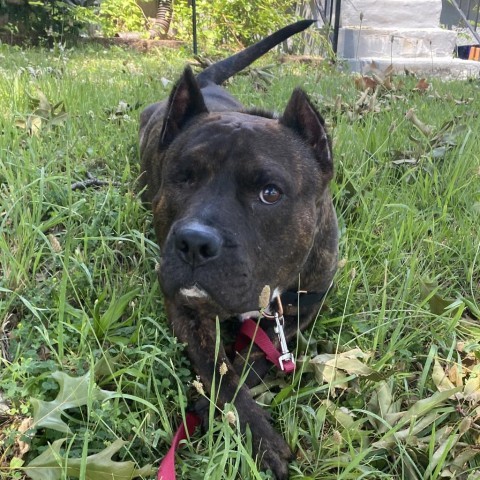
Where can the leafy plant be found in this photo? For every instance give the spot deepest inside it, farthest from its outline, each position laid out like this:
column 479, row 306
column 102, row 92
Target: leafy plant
column 53, row 20
column 74, row 392
column 117, row 16
column 44, row 116
column 52, row 464
column 231, row 22
column 104, row 322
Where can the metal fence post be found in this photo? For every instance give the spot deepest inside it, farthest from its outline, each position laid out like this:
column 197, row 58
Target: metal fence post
column 194, row 26
column 336, row 26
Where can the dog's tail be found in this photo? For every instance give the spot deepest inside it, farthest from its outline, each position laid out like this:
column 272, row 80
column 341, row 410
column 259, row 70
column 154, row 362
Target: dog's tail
column 221, row 71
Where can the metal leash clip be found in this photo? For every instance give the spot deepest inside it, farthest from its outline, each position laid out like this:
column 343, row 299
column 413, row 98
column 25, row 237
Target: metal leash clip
column 286, row 356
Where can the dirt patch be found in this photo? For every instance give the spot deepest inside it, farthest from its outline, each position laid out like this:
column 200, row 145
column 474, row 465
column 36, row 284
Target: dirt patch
column 134, row 42
column 308, row 59
column 128, row 41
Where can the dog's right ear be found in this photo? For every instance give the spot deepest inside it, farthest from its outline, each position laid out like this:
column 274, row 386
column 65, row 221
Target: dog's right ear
column 185, row 102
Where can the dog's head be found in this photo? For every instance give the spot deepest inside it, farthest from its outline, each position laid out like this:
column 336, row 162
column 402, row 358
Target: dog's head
column 242, row 201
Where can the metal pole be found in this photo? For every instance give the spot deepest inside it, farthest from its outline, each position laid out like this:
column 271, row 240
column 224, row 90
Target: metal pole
column 476, row 17
column 194, row 25
column 336, row 27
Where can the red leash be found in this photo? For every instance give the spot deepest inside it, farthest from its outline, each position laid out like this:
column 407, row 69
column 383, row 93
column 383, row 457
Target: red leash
column 167, row 467
column 250, row 330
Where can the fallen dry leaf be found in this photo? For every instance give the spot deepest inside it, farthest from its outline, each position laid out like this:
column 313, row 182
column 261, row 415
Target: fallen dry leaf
column 472, row 386
column 465, row 378
column 334, row 368
column 23, row 447
column 455, row 374
column 364, row 83
column 422, row 86
column 440, row 379
column 425, row 129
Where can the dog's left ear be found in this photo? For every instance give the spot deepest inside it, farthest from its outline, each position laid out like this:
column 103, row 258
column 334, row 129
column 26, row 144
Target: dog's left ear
column 301, row 116
column 185, row 102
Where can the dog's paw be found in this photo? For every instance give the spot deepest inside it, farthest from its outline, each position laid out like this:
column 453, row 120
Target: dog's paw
column 268, row 444
column 272, row 449
column 277, row 459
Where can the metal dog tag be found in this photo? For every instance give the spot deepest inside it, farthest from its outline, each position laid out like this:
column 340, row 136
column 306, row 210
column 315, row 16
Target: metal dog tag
column 286, row 355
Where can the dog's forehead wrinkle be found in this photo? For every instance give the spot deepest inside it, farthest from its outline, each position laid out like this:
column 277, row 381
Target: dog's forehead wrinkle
column 229, row 122
column 244, row 150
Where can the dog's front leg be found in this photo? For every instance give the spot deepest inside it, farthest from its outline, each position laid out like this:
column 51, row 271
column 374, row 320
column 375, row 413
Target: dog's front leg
column 198, row 332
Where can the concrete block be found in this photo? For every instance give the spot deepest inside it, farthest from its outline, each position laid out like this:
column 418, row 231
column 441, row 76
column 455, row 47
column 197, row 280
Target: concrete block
column 396, row 42
column 446, row 68
column 392, row 13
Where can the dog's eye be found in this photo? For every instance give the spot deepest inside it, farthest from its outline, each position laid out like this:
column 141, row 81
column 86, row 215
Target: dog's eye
column 185, row 178
column 270, row 194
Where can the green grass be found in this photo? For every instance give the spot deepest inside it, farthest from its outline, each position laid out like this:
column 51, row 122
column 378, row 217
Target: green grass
column 78, row 290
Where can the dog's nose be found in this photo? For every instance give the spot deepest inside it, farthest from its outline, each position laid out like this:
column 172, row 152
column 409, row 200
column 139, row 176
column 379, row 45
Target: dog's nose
column 196, row 244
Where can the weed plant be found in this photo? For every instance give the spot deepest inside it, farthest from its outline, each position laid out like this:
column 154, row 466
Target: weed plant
column 92, row 382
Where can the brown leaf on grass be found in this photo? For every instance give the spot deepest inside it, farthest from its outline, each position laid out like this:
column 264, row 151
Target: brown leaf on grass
column 472, row 386
column 466, row 378
column 374, row 69
column 422, row 86
column 425, row 129
column 23, row 447
column 455, row 375
column 335, row 368
column 463, row 456
column 364, row 83
column 387, row 83
column 44, row 353
column 381, row 77
column 389, row 71
column 441, row 380
column 341, row 415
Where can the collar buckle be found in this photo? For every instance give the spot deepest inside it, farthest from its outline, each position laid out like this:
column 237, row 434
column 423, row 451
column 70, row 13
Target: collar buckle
column 286, row 355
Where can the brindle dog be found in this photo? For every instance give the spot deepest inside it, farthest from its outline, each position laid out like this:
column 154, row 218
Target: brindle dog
column 240, row 200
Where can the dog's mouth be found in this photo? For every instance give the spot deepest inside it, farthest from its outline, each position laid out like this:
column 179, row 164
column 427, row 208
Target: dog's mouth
column 216, row 303
column 196, row 295
column 194, row 292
